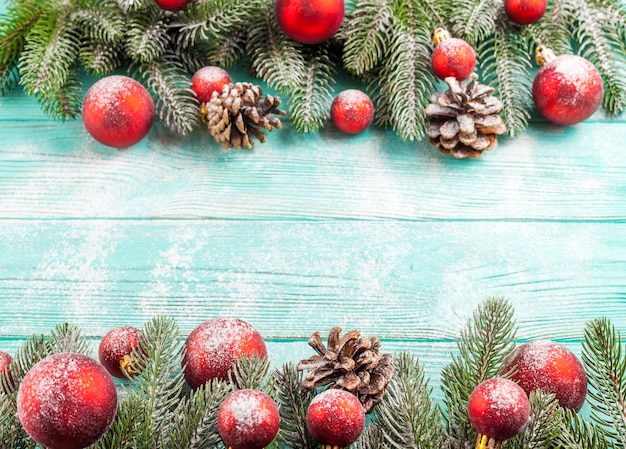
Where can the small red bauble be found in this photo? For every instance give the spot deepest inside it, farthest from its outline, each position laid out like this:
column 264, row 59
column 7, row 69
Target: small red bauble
column 452, row 57
column 309, row 21
column 212, row 349
column 498, row 408
column 115, row 350
column 335, row 417
column 5, row 368
column 352, row 111
column 525, row 12
column 172, row 5
column 208, row 80
column 567, row 90
column 66, row 401
column 248, row 419
column 551, row 367
column 118, row 111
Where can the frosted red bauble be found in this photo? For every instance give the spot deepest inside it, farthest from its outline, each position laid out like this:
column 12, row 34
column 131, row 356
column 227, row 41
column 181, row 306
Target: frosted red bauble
column 5, row 368
column 335, row 417
column 525, row 12
column 248, row 419
column 498, row 408
column 352, row 111
column 66, row 401
column 551, row 367
column 118, row 111
column 172, row 5
column 567, row 90
column 453, row 57
column 116, row 348
column 212, row 349
column 309, row 21
column 208, row 80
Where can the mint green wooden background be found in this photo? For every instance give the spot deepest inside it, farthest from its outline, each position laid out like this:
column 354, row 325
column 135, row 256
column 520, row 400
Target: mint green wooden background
column 310, row 231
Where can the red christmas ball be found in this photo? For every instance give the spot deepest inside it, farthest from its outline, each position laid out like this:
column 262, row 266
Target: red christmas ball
column 248, row 419
column 352, row 111
column 115, row 350
column 118, row 111
column 172, row 5
column 208, row 80
column 498, row 408
column 567, row 90
column 525, row 12
column 551, row 367
column 5, row 370
column 309, row 21
column 212, row 349
column 335, row 417
column 66, row 401
column 453, row 57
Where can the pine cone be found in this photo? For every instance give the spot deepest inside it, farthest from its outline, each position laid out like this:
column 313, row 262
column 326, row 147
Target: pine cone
column 353, row 363
column 464, row 121
column 240, row 112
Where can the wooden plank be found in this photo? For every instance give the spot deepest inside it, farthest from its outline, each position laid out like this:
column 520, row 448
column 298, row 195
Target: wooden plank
column 398, row 280
column 52, row 170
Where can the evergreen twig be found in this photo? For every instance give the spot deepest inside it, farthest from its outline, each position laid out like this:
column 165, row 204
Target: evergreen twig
column 576, row 433
column 544, row 424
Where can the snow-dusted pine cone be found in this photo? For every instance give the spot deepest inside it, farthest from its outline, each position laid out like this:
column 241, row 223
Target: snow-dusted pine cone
column 463, row 121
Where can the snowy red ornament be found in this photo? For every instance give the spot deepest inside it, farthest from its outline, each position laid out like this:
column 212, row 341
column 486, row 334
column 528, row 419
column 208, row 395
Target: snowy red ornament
column 567, row 89
column 352, row 111
column 5, row 370
column 118, row 111
column 172, row 5
column 525, row 12
column 66, row 401
column 248, row 419
column 115, row 350
column 309, row 21
column 207, row 80
column 213, row 347
column 335, row 418
column 498, row 409
column 452, row 56
column 549, row 366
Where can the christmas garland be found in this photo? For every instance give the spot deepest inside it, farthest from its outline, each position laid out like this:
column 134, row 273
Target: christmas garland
column 47, row 46
column 157, row 409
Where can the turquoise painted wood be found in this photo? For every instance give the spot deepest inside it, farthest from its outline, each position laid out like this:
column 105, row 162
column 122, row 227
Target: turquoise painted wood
column 311, row 231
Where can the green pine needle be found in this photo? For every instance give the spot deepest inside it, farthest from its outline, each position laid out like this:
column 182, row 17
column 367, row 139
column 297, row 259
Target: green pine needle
column 485, row 342
column 251, row 372
column 100, row 59
column 505, row 64
column 176, row 105
column 147, row 37
column 544, row 424
column 293, row 404
column 576, row 433
column 605, row 364
column 407, row 416
column 367, row 34
column 474, row 20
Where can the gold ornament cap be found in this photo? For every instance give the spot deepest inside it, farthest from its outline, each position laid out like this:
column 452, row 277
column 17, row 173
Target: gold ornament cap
column 440, row 34
column 484, row 442
column 543, row 55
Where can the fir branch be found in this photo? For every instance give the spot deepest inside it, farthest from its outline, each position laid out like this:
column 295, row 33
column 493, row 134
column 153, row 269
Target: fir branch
column 227, row 51
column 407, row 416
column 15, row 25
column 484, row 344
column 605, row 364
column 100, row 58
column 372, row 437
column 600, row 44
column 367, row 33
column 310, row 100
column 505, row 64
column 127, row 425
column 147, row 37
column 176, row 105
column 474, row 20
column 275, row 58
column 405, row 83
column 196, row 423
column 51, row 49
column 160, row 382
column 576, row 433
column 293, row 404
column 69, row 338
column 251, row 372
column 9, row 78
column 544, row 424
column 552, row 30
column 102, row 21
